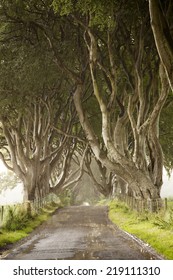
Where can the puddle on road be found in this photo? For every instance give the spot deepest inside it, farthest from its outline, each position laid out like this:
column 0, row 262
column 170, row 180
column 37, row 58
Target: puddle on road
column 93, row 243
column 100, row 245
column 96, row 249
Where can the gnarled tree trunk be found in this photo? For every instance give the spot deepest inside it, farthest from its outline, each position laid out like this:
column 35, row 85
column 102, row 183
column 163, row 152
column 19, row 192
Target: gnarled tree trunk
column 163, row 37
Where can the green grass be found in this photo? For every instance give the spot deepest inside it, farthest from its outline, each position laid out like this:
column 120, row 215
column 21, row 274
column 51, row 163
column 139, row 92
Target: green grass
column 12, row 236
column 154, row 229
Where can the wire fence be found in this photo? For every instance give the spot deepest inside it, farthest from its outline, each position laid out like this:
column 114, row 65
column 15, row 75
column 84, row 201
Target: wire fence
column 28, row 206
column 141, row 205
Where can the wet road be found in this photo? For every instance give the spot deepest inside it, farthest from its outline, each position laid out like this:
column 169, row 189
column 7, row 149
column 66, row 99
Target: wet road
column 78, row 233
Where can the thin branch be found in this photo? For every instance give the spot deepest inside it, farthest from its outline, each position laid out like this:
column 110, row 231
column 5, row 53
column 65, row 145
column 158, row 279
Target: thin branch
column 69, row 135
column 4, row 162
column 80, row 173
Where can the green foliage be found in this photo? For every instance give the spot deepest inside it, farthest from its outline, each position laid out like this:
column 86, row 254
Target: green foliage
column 63, row 7
column 27, row 58
column 101, row 12
column 8, row 181
column 165, row 221
column 15, row 220
column 13, row 235
column 66, row 197
column 117, row 206
column 103, row 201
column 154, row 229
column 24, row 72
column 10, row 237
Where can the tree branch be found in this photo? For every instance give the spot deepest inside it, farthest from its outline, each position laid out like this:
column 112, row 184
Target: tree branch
column 4, row 162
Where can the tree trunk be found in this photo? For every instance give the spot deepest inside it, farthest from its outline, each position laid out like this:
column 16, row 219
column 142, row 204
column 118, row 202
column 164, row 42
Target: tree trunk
column 36, row 184
column 137, row 181
column 163, row 38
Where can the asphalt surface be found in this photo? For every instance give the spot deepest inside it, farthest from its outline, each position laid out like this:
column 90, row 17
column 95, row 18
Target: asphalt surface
column 80, row 233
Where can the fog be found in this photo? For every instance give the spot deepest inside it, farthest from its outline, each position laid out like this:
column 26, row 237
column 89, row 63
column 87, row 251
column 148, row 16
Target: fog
column 16, row 195
column 167, row 187
column 8, row 197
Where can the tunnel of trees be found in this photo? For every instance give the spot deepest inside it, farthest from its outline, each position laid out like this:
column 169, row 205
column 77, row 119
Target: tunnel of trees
column 83, row 81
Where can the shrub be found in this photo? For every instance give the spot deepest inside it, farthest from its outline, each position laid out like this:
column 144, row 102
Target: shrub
column 66, row 198
column 165, row 221
column 15, row 220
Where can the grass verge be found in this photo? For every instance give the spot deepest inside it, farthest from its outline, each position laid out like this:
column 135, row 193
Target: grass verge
column 11, row 236
column 154, row 229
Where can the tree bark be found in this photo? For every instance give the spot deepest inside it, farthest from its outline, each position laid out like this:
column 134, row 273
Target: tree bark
column 137, row 181
column 34, row 146
column 163, row 38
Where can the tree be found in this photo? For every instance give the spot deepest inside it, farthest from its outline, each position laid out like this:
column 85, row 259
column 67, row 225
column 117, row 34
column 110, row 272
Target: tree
column 166, row 135
column 110, row 59
column 34, row 108
column 161, row 23
column 8, row 181
column 101, row 177
column 123, row 80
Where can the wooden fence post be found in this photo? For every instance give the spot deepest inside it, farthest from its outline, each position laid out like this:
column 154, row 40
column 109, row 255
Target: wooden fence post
column 27, row 206
column 166, row 203
column 2, row 213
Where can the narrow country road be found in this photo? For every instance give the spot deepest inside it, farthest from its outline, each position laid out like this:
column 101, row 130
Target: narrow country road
column 80, row 233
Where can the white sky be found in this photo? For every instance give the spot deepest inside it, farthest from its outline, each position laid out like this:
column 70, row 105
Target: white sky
column 2, row 167
column 167, row 187
column 10, row 196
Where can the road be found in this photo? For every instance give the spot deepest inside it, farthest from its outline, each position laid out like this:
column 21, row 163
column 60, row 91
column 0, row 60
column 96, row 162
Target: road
column 80, row 233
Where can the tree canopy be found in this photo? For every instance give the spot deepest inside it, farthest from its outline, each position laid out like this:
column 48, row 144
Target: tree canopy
column 103, row 57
